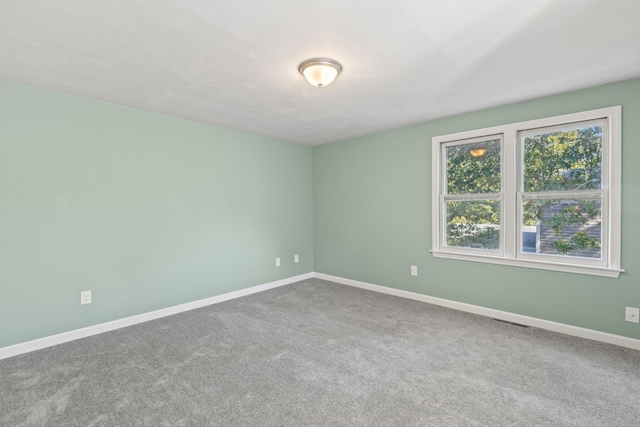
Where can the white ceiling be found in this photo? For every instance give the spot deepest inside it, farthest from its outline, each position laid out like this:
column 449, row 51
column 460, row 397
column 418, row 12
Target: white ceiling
column 234, row 63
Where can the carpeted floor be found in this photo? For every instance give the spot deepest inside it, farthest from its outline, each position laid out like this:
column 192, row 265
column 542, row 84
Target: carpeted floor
column 319, row 353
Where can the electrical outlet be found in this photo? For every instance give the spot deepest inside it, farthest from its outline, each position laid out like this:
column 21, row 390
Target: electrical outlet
column 85, row 297
column 414, row 270
column 296, row 258
column 632, row 315
column 277, row 262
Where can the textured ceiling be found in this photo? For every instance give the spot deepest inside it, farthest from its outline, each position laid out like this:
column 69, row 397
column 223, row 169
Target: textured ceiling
column 234, row 63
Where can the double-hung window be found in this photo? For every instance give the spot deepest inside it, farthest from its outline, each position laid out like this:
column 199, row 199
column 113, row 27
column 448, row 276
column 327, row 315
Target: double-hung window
column 542, row 194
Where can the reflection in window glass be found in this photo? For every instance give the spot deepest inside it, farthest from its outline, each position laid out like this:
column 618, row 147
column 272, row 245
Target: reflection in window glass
column 473, row 168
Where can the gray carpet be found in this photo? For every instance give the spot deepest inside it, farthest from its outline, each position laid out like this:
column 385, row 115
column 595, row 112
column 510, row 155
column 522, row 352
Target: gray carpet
column 319, row 353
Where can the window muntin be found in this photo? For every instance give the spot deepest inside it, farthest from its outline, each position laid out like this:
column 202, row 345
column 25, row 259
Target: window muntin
column 587, row 196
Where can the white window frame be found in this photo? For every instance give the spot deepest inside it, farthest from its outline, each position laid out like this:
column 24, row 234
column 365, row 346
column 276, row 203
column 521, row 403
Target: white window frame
column 511, row 190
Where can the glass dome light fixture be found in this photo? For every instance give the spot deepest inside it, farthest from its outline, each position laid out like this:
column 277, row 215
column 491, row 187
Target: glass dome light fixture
column 320, row 72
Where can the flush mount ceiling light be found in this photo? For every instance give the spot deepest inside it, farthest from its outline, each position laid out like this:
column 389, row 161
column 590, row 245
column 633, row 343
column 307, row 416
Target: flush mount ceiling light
column 320, row 72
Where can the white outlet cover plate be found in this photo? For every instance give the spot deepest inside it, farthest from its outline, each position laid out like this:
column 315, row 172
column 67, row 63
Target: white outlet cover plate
column 85, row 297
column 296, row 258
column 277, row 262
column 632, row 314
column 414, row 270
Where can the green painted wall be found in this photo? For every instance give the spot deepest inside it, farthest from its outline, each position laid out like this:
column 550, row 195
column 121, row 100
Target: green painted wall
column 150, row 211
column 372, row 219
column 145, row 210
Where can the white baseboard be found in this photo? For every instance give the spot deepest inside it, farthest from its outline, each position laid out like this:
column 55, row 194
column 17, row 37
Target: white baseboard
column 37, row 344
column 52, row 340
column 489, row 312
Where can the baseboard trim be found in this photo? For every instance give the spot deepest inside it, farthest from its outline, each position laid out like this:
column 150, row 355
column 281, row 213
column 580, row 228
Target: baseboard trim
column 40, row 343
column 490, row 312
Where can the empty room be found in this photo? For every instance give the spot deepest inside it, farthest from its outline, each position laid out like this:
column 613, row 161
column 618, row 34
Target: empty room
column 355, row 213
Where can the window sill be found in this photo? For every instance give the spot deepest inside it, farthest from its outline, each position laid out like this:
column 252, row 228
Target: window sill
column 566, row 268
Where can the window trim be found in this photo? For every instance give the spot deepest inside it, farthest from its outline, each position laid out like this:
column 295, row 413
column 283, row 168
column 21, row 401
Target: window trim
column 611, row 194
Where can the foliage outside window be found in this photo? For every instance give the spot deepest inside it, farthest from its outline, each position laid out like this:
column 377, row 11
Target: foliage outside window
column 473, row 194
column 541, row 194
column 562, row 198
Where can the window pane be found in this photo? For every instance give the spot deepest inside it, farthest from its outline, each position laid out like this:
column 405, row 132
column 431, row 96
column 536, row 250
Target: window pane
column 473, row 224
column 562, row 227
column 474, row 168
column 563, row 160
